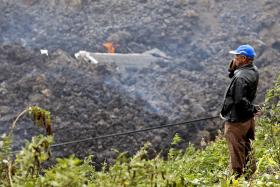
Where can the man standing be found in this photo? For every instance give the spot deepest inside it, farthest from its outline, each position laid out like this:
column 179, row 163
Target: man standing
column 238, row 110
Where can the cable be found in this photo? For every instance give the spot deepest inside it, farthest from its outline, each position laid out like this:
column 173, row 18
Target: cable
column 126, row 133
column 131, row 132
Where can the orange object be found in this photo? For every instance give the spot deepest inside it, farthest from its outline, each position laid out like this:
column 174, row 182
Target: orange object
column 110, row 47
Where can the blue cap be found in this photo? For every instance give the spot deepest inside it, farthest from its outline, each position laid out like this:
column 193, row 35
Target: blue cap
column 245, row 50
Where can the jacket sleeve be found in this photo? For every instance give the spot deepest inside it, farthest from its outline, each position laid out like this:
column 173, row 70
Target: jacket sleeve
column 240, row 91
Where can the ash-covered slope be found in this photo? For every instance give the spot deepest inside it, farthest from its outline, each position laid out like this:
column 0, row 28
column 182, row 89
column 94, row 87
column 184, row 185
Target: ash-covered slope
column 85, row 100
column 196, row 34
column 188, row 28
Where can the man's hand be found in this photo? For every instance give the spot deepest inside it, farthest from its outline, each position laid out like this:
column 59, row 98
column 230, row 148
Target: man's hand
column 231, row 69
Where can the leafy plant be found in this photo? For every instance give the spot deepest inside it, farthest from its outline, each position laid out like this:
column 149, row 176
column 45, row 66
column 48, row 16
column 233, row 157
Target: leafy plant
column 5, row 162
column 70, row 172
column 28, row 161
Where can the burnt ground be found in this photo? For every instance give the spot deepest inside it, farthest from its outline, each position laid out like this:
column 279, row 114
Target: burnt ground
column 89, row 100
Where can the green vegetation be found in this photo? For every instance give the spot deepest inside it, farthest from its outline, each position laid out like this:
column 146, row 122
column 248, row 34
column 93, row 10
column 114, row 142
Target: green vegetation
column 193, row 167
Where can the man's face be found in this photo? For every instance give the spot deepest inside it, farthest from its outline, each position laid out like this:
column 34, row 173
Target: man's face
column 239, row 60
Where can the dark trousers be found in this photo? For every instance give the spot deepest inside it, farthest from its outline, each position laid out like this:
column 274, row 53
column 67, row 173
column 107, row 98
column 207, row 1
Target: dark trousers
column 239, row 136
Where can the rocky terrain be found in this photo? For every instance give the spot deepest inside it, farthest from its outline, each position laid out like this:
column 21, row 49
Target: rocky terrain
column 85, row 100
column 88, row 100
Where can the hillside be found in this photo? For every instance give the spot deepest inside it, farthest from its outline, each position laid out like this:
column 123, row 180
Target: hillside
column 89, row 100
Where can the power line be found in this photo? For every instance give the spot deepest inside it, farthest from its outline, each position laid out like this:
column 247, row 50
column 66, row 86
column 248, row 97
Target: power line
column 126, row 133
column 131, row 132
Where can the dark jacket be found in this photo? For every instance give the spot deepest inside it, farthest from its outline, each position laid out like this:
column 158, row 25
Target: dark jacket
column 237, row 106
